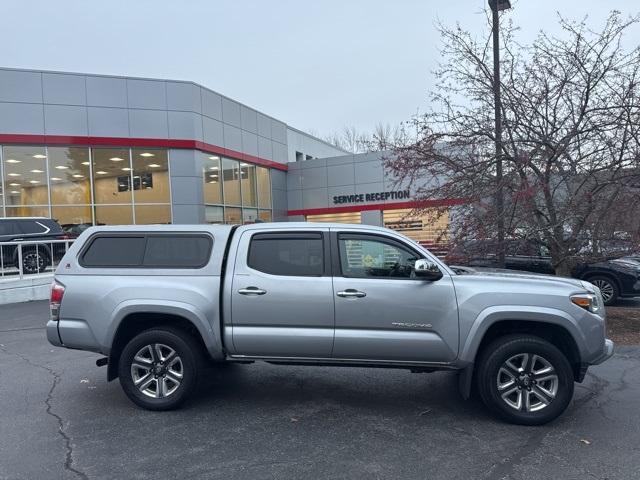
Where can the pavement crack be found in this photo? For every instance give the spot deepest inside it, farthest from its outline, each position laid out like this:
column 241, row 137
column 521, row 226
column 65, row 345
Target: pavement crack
column 507, row 467
column 68, row 461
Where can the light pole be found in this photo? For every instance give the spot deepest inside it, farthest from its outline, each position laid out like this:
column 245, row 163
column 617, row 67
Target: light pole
column 496, row 7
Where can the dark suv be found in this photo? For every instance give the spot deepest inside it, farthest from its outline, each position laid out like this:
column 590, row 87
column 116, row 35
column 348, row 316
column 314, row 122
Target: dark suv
column 615, row 278
column 36, row 257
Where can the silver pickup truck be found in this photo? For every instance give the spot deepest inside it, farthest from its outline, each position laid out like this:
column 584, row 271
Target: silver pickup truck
column 161, row 302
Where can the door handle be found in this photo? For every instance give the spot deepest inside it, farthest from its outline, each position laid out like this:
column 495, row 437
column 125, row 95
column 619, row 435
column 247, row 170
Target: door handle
column 251, row 291
column 351, row 292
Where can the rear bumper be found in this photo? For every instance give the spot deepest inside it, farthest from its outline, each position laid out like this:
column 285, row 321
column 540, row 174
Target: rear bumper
column 52, row 334
column 72, row 334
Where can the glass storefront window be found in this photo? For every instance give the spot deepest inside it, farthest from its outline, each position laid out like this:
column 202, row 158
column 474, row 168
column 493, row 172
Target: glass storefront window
column 152, row 214
column 28, row 211
column 213, row 214
column 233, row 215
column 264, row 187
column 69, row 175
column 80, row 186
column 211, row 176
column 25, row 176
column 428, row 228
column 264, row 215
column 231, row 181
column 248, row 180
column 150, row 176
column 114, row 215
column 249, row 215
column 349, row 217
column 112, row 182
column 69, row 217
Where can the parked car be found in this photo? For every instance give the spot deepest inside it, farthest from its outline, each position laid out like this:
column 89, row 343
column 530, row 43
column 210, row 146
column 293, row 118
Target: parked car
column 37, row 257
column 159, row 301
column 75, row 229
column 618, row 278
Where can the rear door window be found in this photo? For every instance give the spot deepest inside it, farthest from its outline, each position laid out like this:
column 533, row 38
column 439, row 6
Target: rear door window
column 287, row 254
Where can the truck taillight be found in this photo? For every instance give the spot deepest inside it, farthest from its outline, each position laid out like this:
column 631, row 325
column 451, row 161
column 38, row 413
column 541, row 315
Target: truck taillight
column 57, row 292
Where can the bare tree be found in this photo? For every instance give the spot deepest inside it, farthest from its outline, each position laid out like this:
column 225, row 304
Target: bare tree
column 571, row 138
column 383, row 137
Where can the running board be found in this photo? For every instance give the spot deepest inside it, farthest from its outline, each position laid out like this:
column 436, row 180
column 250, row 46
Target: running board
column 344, row 362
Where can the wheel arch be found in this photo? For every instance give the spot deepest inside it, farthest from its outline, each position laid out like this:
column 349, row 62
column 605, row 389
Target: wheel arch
column 131, row 322
column 555, row 326
column 590, row 275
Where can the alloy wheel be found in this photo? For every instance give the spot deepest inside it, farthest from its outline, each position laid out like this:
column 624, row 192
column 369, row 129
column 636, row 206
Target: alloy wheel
column 157, row 371
column 32, row 263
column 606, row 289
column 527, row 382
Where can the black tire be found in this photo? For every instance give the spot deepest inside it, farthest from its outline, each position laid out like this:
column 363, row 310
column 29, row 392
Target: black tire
column 493, row 369
column 34, row 261
column 186, row 349
column 608, row 288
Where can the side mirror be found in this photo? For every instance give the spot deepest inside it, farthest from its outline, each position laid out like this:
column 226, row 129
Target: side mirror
column 427, row 270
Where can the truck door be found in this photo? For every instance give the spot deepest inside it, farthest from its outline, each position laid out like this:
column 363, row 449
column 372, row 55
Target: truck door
column 282, row 295
column 382, row 311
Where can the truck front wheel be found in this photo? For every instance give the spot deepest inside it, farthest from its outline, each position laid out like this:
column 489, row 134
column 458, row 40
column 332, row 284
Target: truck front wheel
column 524, row 379
column 158, row 368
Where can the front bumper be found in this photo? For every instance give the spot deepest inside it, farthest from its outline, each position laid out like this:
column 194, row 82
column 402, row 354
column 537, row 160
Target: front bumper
column 607, row 352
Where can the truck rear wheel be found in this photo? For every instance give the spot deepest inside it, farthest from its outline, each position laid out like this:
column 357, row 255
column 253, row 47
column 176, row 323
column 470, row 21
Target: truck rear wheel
column 158, row 368
column 524, row 379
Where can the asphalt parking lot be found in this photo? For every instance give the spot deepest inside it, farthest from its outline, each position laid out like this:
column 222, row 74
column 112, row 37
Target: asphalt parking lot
column 59, row 418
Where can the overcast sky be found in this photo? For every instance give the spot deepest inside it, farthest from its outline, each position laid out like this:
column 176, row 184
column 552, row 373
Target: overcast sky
column 317, row 65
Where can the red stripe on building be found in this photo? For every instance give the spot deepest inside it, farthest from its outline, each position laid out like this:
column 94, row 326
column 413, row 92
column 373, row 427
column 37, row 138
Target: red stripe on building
column 377, row 206
column 23, row 139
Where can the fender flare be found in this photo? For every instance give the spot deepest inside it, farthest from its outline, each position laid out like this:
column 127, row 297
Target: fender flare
column 492, row 315
column 210, row 337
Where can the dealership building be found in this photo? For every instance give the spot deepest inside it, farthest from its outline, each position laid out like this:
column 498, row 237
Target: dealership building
column 95, row 149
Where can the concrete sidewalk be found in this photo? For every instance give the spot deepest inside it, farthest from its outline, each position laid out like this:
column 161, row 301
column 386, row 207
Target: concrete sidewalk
column 32, row 287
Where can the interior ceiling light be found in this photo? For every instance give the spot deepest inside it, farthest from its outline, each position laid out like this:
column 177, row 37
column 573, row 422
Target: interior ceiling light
column 56, row 178
column 36, row 171
column 213, row 181
column 85, row 163
column 12, row 160
column 153, row 165
column 14, row 184
column 213, row 168
column 126, row 169
column 101, row 172
column 147, row 154
column 62, row 167
column 78, row 176
column 39, row 155
column 116, row 159
column 214, row 157
column 13, row 174
column 14, row 192
column 34, row 181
